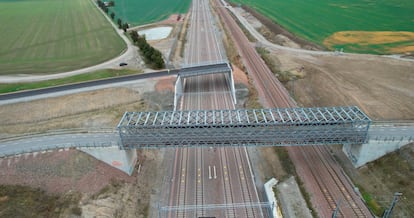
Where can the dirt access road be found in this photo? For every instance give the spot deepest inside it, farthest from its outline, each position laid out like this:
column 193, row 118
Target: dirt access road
column 381, row 85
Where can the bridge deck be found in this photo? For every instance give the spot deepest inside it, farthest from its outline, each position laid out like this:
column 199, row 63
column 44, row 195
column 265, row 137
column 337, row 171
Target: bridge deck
column 189, row 71
column 287, row 126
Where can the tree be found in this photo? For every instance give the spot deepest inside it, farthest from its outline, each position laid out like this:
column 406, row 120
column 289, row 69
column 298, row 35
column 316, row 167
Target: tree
column 151, row 56
column 100, row 3
column 106, row 10
column 112, row 15
column 134, row 36
column 125, row 27
column 119, row 23
column 111, row 3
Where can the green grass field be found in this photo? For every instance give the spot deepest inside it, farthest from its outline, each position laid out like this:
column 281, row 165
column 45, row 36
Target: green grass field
column 318, row 20
column 50, row 36
column 138, row 12
column 102, row 74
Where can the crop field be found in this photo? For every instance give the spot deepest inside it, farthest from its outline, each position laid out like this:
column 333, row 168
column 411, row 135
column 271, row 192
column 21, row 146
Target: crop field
column 363, row 26
column 50, row 36
column 139, row 12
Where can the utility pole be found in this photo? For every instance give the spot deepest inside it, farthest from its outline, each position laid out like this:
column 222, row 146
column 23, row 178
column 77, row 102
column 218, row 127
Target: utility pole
column 387, row 212
column 335, row 212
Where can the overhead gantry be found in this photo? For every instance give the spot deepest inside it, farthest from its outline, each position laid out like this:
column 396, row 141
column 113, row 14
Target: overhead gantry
column 259, row 127
column 203, row 69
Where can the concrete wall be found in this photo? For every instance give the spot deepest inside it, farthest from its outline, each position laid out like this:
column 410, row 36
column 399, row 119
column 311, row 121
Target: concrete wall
column 178, row 91
column 374, row 149
column 271, row 197
column 123, row 160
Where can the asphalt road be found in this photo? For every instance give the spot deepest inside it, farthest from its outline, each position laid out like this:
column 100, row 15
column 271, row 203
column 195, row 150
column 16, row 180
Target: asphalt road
column 31, row 93
column 48, row 142
column 391, row 132
column 7, row 98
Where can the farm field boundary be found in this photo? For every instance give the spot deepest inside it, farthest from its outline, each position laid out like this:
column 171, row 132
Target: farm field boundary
column 335, row 25
column 51, row 36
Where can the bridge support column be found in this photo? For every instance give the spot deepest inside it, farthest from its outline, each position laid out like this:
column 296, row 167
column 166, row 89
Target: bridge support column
column 233, row 90
column 178, row 91
column 374, row 149
column 123, row 160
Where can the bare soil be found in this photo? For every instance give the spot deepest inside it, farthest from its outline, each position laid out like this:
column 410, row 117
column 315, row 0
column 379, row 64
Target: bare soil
column 272, row 30
column 101, row 108
column 165, row 84
column 382, row 87
column 103, row 190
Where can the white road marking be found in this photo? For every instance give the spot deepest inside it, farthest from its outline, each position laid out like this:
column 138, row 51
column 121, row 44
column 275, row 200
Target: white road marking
column 214, row 171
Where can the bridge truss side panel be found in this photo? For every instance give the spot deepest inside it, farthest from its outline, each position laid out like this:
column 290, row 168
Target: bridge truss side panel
column 296, row 126
column 281, row 135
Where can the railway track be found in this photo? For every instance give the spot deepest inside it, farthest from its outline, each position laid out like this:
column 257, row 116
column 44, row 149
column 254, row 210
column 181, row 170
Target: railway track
column 351, row 201
column 228, row 194
column 314, row 166
column 203, row 176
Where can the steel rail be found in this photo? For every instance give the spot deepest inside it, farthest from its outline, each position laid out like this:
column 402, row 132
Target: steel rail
column 273, row 93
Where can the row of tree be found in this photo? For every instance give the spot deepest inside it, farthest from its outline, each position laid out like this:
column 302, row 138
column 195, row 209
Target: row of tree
column 104, row 6
column 152, row 56
column 121, row 25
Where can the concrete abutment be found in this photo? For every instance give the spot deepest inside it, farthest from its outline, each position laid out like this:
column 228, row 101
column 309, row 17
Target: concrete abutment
column 374, row 149
column 124, row 160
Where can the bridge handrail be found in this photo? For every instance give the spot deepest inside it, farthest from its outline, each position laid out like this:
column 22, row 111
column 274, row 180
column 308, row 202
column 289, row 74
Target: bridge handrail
column 57, row 132
column 53, row 147
column 200, row 64
column 392, row 123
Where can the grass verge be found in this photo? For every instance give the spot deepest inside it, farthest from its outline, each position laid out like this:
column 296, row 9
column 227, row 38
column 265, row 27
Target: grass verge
column 7, row 88
column 371, row 202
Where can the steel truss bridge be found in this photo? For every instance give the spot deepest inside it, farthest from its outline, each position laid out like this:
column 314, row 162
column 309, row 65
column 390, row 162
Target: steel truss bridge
column 267, row 127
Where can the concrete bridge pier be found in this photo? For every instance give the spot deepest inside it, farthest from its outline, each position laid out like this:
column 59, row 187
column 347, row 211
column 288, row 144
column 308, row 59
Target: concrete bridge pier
column 374, row 149
column 178, row 91
column 124, row 160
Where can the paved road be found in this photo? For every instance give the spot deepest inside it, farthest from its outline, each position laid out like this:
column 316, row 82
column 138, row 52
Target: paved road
column 13, row 97
column 96, row 84
column 202, row 177
column 48, row 142
column 391, row 131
